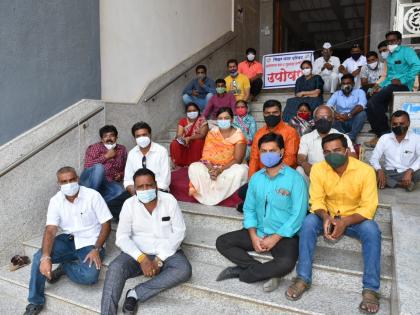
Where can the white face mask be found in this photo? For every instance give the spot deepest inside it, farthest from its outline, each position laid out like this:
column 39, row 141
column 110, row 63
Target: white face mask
column 110, row 146
column 391, row 48
column 70, row 189
column 192, row 115
column 250, row 57
column 143, row 142
column 306, row 71
column 384, row 54
column 372, row 65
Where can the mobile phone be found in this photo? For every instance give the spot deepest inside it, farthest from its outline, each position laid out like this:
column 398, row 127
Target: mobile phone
column 330, row 229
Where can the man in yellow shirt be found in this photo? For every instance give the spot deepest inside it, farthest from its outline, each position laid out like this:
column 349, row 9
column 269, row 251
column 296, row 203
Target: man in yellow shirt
column 237, row 83
column 343, row 198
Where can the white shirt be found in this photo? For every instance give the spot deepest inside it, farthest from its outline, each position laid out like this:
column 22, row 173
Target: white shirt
column 319, row 63
column 311, row 146
column 351, row 65
column 82, row 217
column 398, row 156
column 157, row 160
column 160, row 233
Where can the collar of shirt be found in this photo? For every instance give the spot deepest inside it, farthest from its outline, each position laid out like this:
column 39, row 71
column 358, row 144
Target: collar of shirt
column 408, row 136
column 280, row 126
column 317, row 135
column 152, row 148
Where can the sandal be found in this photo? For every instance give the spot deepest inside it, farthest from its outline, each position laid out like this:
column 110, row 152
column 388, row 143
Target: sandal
column 298, row 287
column 18, row 262
column 370, row 297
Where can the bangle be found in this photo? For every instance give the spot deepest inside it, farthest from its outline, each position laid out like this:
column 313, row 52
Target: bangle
column 45, row 258
column 141, row 258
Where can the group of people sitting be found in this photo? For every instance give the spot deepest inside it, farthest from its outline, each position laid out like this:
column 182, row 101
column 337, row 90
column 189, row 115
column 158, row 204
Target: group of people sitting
column 281, row 172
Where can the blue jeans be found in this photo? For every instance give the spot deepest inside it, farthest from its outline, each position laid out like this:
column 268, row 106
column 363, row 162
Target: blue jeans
column 201, row 102
column 352, row 126
column 65, row 253
column 94, row 177
column 367, row 232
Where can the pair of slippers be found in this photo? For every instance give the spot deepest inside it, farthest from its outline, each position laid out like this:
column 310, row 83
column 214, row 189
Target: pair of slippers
column 18, row 262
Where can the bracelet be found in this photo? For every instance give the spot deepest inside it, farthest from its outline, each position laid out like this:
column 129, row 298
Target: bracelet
column 45, row 258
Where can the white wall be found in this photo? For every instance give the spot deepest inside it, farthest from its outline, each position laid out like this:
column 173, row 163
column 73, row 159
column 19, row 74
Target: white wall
column 142, row 39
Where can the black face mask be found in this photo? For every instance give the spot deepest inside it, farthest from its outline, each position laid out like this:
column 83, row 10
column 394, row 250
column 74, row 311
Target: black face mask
column 399, row 130
column 323, row 125
column 272, row 120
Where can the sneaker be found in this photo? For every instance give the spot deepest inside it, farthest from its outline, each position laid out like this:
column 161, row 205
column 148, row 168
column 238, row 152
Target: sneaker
column 33, row 309
column 56, row 274
column 372, row 143
column 229, row 273
column 130, row 304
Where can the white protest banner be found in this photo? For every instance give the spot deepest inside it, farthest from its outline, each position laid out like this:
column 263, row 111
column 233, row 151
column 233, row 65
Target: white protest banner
column 413, row 109
column 282, row 70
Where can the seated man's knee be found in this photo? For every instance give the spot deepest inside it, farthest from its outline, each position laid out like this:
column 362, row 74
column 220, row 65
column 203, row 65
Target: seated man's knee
column 99, row 168
column 89, row 275
column 370, row 230
column 310, row 224
column 286, row 264
column 222, row 243
column 186, row 98
column 184, row 273
column 37, row 257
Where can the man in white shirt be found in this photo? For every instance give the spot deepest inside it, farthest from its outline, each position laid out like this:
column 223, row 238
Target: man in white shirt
column 147, row 154
column 327, row 67
column 150, row 232
column 354, row 65
column 84, row 218
column 310, row 147
column 401, row 152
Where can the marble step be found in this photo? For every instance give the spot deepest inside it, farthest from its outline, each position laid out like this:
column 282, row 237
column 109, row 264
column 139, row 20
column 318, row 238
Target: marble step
column 197, row 296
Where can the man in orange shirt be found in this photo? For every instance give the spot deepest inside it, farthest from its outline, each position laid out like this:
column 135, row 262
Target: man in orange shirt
column 253, row 70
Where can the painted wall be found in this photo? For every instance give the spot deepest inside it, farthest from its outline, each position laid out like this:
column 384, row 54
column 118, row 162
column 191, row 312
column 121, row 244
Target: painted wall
column 379, row 22
column 142, row 39
column 49, row 59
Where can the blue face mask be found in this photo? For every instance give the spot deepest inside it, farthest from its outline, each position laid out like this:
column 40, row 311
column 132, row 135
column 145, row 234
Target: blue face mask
column 145, row 196
column 271, row 159
column 223, row 123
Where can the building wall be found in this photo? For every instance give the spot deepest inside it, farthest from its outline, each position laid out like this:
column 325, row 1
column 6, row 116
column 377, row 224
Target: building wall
column 49, row 59
column 142, row 39
column 379, row 22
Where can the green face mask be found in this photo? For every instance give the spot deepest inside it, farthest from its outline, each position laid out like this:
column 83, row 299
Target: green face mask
column 220, row 90
column 335, row 160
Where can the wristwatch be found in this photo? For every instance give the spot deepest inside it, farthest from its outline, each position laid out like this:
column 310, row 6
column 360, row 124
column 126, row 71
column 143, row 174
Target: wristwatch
column 349, row 115
column 159, row 262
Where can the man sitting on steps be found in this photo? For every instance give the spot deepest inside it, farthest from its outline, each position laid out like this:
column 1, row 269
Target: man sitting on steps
column 401, row 150
column 343, row 198
column 275, row 206
column 83, row 216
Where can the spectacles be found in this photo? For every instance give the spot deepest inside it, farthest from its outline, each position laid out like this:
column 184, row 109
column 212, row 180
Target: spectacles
column 143, row 161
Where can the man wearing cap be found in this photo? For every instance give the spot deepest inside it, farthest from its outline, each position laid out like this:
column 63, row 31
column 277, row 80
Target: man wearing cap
column 327, row 67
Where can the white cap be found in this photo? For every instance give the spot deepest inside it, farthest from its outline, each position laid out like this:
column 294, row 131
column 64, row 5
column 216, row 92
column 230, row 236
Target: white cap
column 327, row 45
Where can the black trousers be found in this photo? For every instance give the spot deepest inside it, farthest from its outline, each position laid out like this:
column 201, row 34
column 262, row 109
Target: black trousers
column 256, row 87
column 235, row 246
column 378, row 106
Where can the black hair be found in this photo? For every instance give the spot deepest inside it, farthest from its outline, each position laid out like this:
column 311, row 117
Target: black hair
column 347, row 76
column 308, row 62
column 271, row 103
column 355, row 45
column 304, row 104
column 333, row 137
column 251, row 50
column 242, row 101
column 396, row 33
column 108, row 128
column 201, row 67
column 193, row 104
column 400, row 113
column 225, row 110
column 371, row 53
column 140, row 125
column 220, row 81
column 271, row 137
column 232, row 61
column 144, row 172
column 384, row 43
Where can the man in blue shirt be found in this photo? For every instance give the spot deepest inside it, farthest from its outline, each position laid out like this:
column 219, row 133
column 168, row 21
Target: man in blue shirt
column 403, row 66
column 275, row 207
column 200, row 89
column 348, row 105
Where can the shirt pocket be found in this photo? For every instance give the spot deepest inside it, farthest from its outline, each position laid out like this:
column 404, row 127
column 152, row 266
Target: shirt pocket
column 166, row 228
column 280, row 202
column 88, row 217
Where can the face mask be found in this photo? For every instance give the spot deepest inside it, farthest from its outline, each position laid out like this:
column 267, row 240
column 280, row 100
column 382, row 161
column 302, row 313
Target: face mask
column 271, row 159
column 323, row 125
column 241, row 111
column 192, row 115
column 201, row 76
column 384, row 54
column 70, row 189
column 233, row 73
column 145, row 196
column 272, row 120
column 372, row 65
column 391, row 48
column 110, row 146
column 306, row 71
column 399, row 130
column 356, row 56
column 250, row 57
column 335, row 160
column 346, row 88
column 143, row 142
column 223, row 123
column 220, row 90
column 304, row 115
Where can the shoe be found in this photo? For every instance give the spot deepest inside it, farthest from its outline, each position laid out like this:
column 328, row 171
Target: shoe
column 56, row 274
column 229, row 273
column 33, row 309
column 372, row 143
column 410, row 187
column 130, row 304
column 271, row 285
